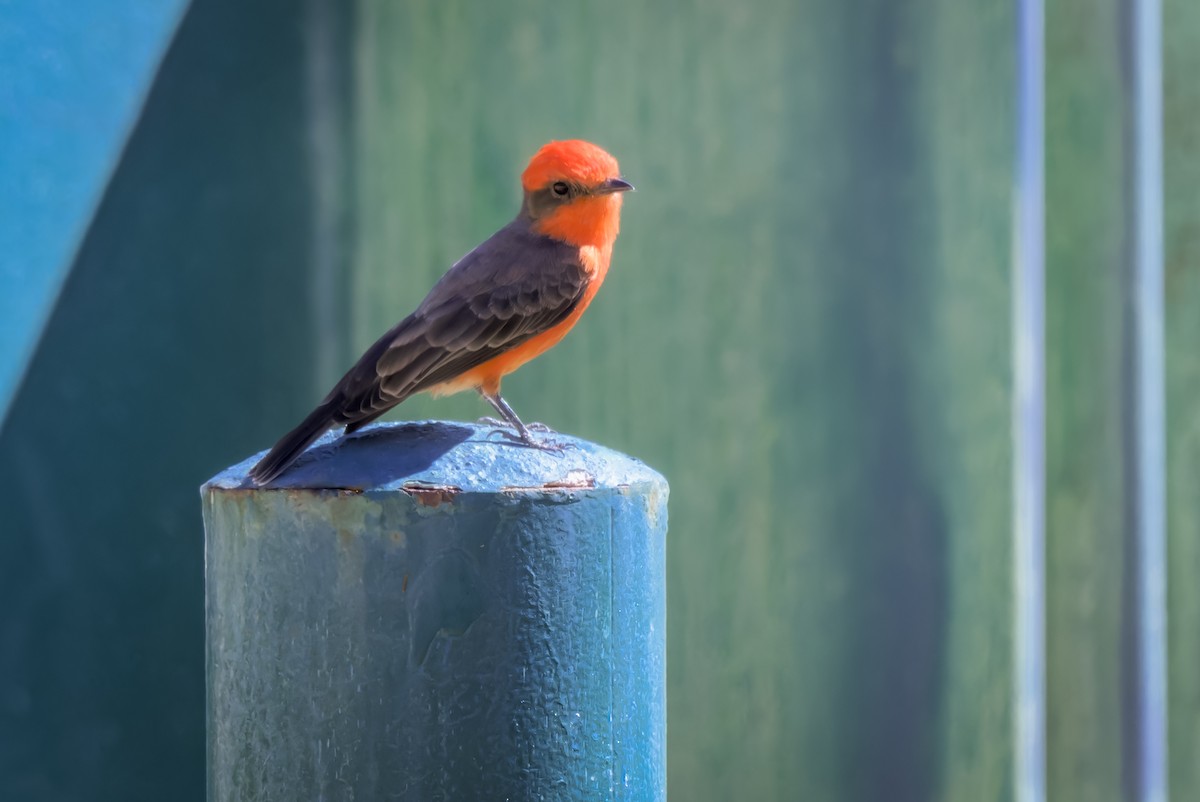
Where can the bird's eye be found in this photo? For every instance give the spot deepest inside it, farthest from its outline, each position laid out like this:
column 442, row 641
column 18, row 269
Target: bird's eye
column 560, row 189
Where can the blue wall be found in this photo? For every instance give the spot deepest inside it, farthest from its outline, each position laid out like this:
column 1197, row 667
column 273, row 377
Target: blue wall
column 72, row 80
column 182, row 327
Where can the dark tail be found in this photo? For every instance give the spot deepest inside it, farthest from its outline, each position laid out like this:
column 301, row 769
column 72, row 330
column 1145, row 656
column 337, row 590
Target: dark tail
column 292, row 445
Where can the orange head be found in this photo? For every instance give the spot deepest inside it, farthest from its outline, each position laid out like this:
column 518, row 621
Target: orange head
column 573, row 193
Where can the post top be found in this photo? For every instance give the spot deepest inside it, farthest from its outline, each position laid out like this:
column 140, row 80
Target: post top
column 467, row 457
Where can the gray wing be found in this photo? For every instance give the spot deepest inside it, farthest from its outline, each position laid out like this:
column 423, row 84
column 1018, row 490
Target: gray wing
column 514, row 286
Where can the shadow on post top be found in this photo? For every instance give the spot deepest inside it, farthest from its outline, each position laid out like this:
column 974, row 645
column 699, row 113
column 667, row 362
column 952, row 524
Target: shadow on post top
column 464, row 457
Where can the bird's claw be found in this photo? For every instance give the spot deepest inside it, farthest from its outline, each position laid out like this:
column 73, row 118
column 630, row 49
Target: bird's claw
column 507, row 435
column 528, row 442
column 503, row 424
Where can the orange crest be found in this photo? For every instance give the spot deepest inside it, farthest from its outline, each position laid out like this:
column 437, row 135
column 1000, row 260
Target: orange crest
column 569, row 160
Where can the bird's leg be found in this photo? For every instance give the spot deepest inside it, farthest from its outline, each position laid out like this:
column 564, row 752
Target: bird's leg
column 510, row 417
column 500, row 405
column 497, row 422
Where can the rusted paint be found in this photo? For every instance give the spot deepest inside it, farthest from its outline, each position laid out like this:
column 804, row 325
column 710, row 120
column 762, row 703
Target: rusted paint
column 431, row 495
column 574, row 480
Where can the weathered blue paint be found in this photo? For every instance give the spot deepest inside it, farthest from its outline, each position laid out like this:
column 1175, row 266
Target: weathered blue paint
column 427, row 611
column 72, row 79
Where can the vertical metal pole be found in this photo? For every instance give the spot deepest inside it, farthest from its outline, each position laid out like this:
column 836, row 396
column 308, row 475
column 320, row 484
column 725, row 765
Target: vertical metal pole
column 1149, row 404
column 1029, row 424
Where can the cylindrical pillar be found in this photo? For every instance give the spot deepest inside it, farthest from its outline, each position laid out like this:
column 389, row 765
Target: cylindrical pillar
column 432, row 612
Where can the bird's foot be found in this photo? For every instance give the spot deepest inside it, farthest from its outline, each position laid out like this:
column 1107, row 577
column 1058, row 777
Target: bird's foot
column 528, row 441
column 503, row 424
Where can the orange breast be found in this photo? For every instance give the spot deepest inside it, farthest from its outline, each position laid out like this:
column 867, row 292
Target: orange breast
column 488, row 375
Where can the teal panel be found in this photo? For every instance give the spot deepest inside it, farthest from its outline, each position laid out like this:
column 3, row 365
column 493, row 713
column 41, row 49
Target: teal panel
column 1181, row 174
column 1089, row 506
column 182, row 337
column 72, row 80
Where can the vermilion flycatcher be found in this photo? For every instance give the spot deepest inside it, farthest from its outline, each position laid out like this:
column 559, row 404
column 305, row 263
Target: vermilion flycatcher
column 501, row 305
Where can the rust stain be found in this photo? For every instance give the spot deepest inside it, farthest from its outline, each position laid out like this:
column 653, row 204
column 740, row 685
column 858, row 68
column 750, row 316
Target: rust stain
column 404, row 584
column 574, row 480
column 431, row 495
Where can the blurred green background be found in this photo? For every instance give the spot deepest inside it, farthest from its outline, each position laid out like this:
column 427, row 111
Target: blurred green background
column 807, row 329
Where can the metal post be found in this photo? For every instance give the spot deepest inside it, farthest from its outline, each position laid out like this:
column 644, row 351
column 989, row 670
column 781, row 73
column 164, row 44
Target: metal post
column 1029, row 405
column 430, row 612
column 1147, row 422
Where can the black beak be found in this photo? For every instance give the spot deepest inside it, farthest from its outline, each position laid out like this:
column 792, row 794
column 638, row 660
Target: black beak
column 614, row 185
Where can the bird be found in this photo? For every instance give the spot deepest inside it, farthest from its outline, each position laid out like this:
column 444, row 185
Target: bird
column 509, row 300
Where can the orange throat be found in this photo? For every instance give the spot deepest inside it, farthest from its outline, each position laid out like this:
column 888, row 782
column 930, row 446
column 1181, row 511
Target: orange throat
column 591, row 222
